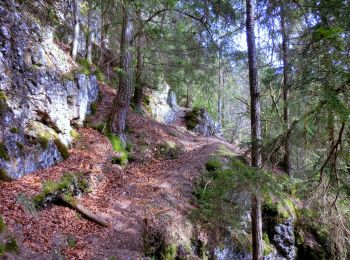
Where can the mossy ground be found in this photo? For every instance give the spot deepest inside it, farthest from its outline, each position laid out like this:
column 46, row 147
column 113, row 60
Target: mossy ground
column 118, row 147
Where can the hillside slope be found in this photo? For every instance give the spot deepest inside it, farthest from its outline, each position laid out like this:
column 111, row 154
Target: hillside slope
column 150, row 196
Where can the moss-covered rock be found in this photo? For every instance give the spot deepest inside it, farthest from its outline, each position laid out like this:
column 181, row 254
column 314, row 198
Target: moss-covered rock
column 3, row 152
column 168, row 150
column 118, row 147
column 70, row 184
column 62, row 148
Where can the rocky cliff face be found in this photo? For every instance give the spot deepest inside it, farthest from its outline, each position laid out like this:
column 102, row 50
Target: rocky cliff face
column 42, row 94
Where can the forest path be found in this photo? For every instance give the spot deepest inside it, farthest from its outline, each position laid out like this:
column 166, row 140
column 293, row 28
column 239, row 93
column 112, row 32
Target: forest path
column 150, row 192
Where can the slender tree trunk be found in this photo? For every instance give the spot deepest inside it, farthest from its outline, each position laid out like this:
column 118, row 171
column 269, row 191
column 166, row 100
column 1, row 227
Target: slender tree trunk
column 122, row 100
column 91, row 34
column 255, row 130
column 220, row 91
column 139, row 67
column 286, row 85
column 76, row 17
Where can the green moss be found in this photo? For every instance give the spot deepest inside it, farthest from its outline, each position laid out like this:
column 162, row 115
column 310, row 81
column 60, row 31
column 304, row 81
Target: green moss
column 93, row 108
column 44, row 141
column 101, row 127
column 3, row 105
column 119, row 148
column 100, row 75
column 170, row 252
column 2, row 225
column 74, row 134
column 85, row 67
column 14, row 130
column 268, row 247
column 61, row 148
column 4, row 176
column 3, row 152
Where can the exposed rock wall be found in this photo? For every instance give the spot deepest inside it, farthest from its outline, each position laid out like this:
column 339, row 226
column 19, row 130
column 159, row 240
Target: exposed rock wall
column 163, row 104
column 41, row 94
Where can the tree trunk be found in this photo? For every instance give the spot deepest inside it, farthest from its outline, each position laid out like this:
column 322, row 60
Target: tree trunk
column 122, row 100
column 76, row 29
column 286, row 85
column 220, row 91
column 139, row 67
column 255, row 129
column 91, row 34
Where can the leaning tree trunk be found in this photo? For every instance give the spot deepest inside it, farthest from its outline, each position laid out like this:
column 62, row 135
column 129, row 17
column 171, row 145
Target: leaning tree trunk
column 255, row 130
column 76, row 29
column 286, row 85
column 122, row 100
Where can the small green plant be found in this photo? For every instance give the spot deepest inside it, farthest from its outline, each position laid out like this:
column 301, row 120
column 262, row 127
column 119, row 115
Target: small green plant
column 11, row 246
column 3, row 152
column 213, row 165
column 71, row 241
column 14, row 130
column 2, row 225
column 61, row 148
column 170, row 252
column 85, row 67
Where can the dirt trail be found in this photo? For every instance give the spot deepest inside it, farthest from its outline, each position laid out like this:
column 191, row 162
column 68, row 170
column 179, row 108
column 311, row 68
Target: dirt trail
column 150, row 190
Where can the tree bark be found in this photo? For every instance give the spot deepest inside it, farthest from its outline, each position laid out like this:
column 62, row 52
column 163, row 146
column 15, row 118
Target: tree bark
column 76, row 18
column 139, row 67
column 255, row 130
column 122, row 100
column 286, row 84
column 91, row 34
column 220, row 90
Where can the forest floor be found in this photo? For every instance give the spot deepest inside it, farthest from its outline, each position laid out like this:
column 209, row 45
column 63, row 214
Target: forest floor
column 149, row 191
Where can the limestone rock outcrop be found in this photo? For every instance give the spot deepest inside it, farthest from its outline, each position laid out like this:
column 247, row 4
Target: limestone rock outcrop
column 42, row 94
